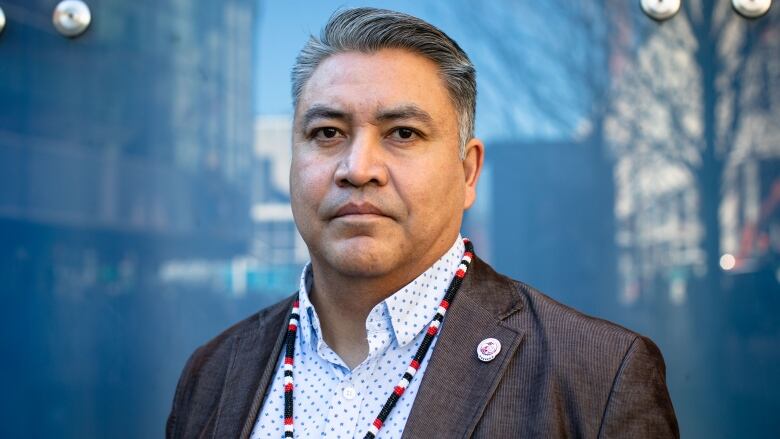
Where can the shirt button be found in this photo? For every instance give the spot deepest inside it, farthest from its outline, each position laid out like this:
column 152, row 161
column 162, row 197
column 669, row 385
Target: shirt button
column 349, row 393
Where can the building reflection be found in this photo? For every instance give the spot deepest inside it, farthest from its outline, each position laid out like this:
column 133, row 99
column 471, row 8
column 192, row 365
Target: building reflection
column 270, row 265
column 120, row 151
column 633, row 174
column 696, row 204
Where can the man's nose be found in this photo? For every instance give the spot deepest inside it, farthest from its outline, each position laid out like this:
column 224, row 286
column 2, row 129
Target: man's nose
column 363, row 163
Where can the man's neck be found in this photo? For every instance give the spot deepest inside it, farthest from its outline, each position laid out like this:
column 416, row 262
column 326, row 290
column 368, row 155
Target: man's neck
column 344, row 302
column 343, row 318
column 343, row 306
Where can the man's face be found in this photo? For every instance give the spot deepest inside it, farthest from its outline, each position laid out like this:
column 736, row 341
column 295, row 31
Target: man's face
column 377, row 184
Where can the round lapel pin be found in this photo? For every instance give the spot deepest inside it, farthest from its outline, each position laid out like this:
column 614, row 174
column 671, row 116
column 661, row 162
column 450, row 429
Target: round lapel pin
column 488, row 349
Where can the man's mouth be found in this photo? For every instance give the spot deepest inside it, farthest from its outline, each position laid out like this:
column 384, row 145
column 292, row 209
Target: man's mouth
column 358, row 209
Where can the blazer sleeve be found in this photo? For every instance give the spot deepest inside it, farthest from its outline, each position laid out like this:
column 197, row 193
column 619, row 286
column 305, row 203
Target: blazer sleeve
column 639, row 404
column 182, row 390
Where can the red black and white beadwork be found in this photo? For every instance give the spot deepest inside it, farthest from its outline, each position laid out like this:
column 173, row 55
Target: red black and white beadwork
column 414, row 365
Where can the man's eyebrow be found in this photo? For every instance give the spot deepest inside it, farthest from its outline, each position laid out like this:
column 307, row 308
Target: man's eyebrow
column 324, row 112
column 409, row 111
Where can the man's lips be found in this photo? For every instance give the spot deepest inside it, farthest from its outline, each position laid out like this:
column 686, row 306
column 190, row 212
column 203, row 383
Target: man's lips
column 358, row 209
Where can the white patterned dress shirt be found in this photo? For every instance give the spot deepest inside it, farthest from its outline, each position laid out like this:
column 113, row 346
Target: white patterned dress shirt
column 332, row 401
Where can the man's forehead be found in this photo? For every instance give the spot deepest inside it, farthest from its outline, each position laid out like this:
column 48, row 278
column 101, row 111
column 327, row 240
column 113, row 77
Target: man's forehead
column 350, row 64
column 360, row 83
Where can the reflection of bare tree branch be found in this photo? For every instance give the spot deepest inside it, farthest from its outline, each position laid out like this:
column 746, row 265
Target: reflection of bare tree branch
column 544, row 68
column 682, row 95
column 690, row 90
column 548, row 59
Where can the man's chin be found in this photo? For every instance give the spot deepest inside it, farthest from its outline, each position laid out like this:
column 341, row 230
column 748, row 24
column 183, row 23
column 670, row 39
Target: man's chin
column 361, row 256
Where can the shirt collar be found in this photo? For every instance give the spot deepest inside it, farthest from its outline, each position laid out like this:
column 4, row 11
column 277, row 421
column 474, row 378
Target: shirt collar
column 308, row 322
column 410, row 309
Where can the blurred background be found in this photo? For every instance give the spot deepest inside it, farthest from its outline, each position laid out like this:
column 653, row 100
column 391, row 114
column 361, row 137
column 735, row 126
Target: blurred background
column 633, row 171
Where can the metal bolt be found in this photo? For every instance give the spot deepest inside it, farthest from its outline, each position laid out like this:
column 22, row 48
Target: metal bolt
column 71, row 18
column 751, row 8
column 660, row 10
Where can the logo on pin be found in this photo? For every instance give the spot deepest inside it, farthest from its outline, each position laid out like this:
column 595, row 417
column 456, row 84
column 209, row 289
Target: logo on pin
column 488, row 349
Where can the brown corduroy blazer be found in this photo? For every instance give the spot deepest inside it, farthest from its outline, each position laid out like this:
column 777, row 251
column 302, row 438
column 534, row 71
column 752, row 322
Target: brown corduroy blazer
column 559, row 373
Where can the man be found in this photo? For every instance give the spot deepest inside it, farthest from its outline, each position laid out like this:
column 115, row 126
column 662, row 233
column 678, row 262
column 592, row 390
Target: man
column 397, row 329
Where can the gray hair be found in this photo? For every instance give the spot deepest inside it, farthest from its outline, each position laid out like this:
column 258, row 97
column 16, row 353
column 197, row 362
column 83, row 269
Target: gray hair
column 369, row 30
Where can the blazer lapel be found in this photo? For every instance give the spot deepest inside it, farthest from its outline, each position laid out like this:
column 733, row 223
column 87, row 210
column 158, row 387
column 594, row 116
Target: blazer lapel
column 456, row 385
column 251, row 369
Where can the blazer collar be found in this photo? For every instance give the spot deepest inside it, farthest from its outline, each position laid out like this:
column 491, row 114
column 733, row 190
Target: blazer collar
column 456, row 385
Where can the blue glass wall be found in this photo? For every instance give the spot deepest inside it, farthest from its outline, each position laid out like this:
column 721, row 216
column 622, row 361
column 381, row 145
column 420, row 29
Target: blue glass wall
column 633, row 172
column 125, row 167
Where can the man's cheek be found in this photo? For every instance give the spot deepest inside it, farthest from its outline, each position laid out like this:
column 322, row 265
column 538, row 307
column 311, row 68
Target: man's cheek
column 308, row 178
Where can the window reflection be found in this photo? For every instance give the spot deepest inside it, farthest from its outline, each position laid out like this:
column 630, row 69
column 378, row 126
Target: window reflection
column 675, row 124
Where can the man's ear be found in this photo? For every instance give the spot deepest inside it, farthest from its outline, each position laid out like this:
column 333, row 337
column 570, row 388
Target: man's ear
column 472, row 167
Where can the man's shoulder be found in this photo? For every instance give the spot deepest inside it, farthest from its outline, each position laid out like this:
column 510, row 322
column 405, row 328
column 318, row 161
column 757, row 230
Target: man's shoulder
column 566, row 331
column 201, row 384
column 262, row 327
column 586, row 339
column 586, row 375
column 261, row 324
column 571, row 322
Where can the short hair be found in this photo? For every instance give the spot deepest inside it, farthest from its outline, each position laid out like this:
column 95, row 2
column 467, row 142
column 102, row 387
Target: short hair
column 369, row 30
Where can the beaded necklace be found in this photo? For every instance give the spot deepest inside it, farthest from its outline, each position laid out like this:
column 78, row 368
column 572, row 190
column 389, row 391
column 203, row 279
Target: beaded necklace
column 414, row 365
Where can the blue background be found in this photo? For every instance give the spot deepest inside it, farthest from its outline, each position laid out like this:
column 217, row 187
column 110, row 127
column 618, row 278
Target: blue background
column 633, row 172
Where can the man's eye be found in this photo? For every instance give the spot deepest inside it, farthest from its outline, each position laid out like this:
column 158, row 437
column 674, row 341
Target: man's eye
column 404, row 133
column 326, row 133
